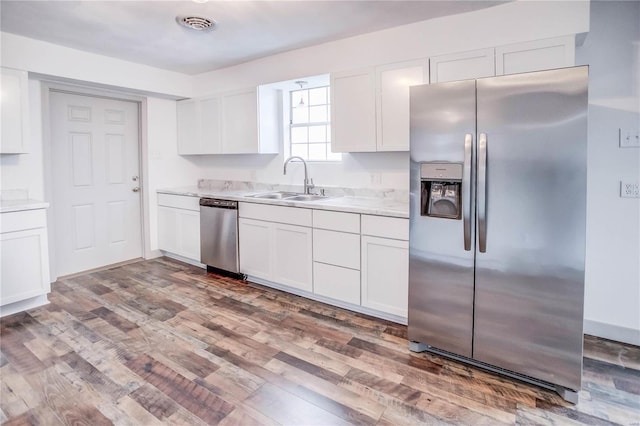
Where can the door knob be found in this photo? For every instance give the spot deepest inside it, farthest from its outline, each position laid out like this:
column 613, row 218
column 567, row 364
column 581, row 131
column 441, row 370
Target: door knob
column 134, row 178
column 136, row 189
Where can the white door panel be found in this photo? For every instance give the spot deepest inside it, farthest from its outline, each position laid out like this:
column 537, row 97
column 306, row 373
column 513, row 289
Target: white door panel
column 95, row 159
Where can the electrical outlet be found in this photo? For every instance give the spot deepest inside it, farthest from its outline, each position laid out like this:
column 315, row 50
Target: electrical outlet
column 628, row 139
column 629, row 189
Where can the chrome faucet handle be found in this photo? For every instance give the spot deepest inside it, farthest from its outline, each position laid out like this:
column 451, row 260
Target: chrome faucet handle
column 309, row 184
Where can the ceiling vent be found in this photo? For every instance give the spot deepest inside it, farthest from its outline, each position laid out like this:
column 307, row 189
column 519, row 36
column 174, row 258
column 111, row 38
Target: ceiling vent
column 197, row 23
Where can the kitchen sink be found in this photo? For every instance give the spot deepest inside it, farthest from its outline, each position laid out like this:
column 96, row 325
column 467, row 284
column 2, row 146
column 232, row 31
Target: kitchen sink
column 280, row 195
column 307, row 197
column 289, row 196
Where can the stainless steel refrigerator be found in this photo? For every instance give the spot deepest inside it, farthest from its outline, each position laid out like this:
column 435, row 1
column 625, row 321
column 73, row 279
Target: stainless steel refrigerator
column 497, row 208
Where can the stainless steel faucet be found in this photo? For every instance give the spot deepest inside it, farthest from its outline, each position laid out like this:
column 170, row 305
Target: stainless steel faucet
column 308, row 183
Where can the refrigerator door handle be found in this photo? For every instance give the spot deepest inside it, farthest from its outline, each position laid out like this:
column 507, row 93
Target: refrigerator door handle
column 466, row 190
column 482, row 192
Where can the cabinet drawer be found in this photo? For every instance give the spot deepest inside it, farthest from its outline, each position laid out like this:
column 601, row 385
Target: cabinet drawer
column 185, row 202
column 336, row 282
column 336, row 248
column 21, row 220
column 336, row 221
column 386, row 227
column 280, row 214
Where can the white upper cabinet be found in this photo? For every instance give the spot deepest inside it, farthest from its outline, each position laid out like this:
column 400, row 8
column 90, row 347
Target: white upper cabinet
column 462, row 66
column 536, row 55
column 393, row 82
column 370, row 108
column 222, row 124
column 210, row 126
column 240, row 122
column 353, row 111
column 199, row 126
column 15, row 112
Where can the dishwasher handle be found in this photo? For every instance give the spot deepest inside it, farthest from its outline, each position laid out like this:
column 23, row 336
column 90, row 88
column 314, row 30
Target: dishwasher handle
column 221, row 204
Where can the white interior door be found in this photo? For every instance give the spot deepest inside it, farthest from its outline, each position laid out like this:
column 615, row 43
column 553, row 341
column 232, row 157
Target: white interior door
column 96, row 196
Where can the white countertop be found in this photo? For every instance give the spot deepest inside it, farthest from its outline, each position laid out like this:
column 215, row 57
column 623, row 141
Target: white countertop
column 350, row 204
column 7, row 206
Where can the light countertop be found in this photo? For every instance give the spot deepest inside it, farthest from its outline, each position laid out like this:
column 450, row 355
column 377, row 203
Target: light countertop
column 349, row 204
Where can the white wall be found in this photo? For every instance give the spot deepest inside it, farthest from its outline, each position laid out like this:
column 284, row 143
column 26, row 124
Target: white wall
column 50, row 59
column 612, row 50
column 165, row 167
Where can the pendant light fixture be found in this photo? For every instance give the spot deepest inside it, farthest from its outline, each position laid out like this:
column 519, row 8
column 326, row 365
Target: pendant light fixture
column 301, row 83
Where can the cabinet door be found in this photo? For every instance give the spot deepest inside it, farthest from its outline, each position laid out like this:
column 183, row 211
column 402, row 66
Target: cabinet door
column 188, row 234
column 168, row 229
column 336, row 248
column 462, row 66
column 240, row 122
column 255, row 249
column 336, row 282
column 15, row 112
column 292, row 263
column 188, row 119
column 353, row 111
column 536, row 55
column 24, row 265
column 393, row 82
column 210, row 126
column 385, row 275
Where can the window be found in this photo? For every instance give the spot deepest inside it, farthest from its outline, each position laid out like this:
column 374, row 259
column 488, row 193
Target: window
column 309, row 124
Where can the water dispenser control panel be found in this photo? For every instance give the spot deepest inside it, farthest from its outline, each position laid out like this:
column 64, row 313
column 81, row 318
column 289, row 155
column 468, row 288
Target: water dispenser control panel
column 441, row 188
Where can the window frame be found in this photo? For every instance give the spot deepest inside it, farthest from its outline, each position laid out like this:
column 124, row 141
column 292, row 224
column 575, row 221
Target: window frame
column 293, row 104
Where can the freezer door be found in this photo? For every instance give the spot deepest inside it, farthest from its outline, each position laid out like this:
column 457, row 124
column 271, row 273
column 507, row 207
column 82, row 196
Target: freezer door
column 531, row 202
column 440, row 269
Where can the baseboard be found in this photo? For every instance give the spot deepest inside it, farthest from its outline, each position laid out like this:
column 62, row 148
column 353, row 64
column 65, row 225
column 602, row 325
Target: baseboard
column 153, row 254
column 23, row 305
column 612, row 332
column 184, row 259
column 340, row 304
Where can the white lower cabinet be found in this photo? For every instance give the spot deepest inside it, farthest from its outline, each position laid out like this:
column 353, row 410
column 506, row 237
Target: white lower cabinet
column 273, row 251
column 179, row 225
column 255, row 248
column 292, row 256
column 385, row 275
column 336, row 282
column 359, row 260
column 24, row 261
column 336, row 255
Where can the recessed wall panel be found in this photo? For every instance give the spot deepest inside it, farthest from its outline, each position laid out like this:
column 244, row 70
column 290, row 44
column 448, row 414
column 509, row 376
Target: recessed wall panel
column 116, row 221
column 81, row 159
column 79, row 113
column 114, row 116
column 83, row 224
column 115, row 158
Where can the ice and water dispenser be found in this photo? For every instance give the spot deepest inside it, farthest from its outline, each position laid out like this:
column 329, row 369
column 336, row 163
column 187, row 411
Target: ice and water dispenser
column 441, row 188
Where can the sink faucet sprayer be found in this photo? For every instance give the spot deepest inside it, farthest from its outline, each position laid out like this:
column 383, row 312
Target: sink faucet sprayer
column 308, row 183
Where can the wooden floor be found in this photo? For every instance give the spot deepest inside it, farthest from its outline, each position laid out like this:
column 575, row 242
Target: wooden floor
column 161, row 342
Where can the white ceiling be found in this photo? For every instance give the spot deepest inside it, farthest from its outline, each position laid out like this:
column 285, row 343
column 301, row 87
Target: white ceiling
column 146, row 31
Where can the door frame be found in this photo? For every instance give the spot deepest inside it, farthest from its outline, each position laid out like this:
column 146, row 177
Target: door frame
column 49, row 86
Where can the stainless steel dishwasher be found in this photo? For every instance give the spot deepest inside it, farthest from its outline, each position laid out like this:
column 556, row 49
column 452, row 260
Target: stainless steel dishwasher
column 219, row 234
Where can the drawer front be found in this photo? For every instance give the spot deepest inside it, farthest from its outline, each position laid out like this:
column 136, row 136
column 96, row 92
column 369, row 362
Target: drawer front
column 21, row 220
column 336, row 248
column 385, row 227
column 337, row 283
column 336, row 221
column 185, row 202
column 280, row 214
